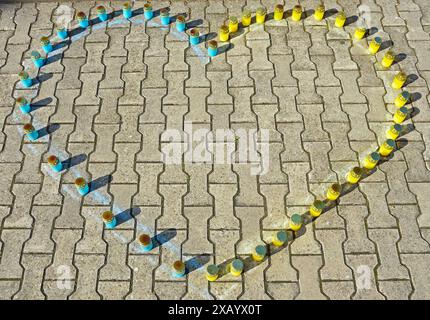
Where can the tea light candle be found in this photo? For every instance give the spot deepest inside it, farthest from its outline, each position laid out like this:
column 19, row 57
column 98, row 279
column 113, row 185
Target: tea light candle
column 371, row 160
column 340, row 20
column 399, row 80
column 246, row 18
column 165, row 16
column 319, row 12
column 25, row 79
column 354, row 175
column 82, row 186
column 147, row 11
column 297, row 13
column 194, row 36
column 359, row 33
column 46, row 44
column 388, row 59
column 101, row 13
column 212, row 48
column 375, row 45
column 400, row 115
column 62, row 32
column 260, row 15
column 278, row 13
column 109, row 219
column 212, row 272
column 55, row 163
column 180, row 23
column 402, row 99
column 23, row 104
column 236, row 267
column 259, row 253
column 279, row 238
column 387, row 147
column 316, row 208
column 82, row 19
column 233, row 24
column 333, row 192
column 224, row 33
column 37, row 59
column 178, row 269
column 145, row 242
column 126, row 10
column 394, row 131
column 295, row 222
column 30, row 132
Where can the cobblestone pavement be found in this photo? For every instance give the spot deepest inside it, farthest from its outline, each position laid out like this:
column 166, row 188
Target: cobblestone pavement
column 104, row 99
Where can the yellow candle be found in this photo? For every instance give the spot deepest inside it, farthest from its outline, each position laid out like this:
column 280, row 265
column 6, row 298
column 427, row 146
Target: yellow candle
column 212, row 272
column 371, row 160
column 278, row 13
column 340, row 20
column 374, row 45
column 394, row 131
column 259, row 253
column 297, row 13
column 388, row 59
column 359, row 33
column 295, row 222
column 236, row 267
column 233, row 24
column 280, row 238
column 319, row 12
column 354, row 175
column 316, row 208
column 246, row 18
column 333, row 192
column 260, row 15
column 387, row 147
column 400, row 115
column 224, row 33
column 402, row 99
column 399, row 80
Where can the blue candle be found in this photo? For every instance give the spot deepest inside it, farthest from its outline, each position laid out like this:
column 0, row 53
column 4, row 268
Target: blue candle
column 62, row 33
column 55, row 163
column 82, row 186
column 178, row 269
column 38, row 60
column 101, row 13
column 212, row 48
column 147, row 11
column 145, row 242
column 165, row 18
column 46, row 44
column 109, row 219
column 25, row 79
column 194, row 36
column 24, row 105
column 126, row 10
column 180, row 23
column 31, row 133
column 82, row 20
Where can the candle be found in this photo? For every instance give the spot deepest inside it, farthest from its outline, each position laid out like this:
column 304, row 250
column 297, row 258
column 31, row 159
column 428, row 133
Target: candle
column 236, row 267
column 400, row 115
column 233, row 24
column 82, row 186
column 194, row 36
column 30, row 132
column 319, row 12
column 212, row 272
column 399, row 80
column 178, row 269
column 165, row 16
column 316, row 208
column 37, row 59
column 340, row 20
column 46, row 44
column 394, row 131
column 388, row 59
column 126, row 10
column 180, row 23
column 246, row 18
column 333, row 192
column 25, row 79
column 371, row 160
column 23, row 104
column 354, row 175
column 295, row 222
column 280, row 238
column 82, row 19
column 402, row 99
column 259, row 253
column 297, row 13
column 62, row 32
column 212, row 48
column 387, row 147
column 101, row 13
column 109, row 219
column 375, row 45
column 278, row 13
column 224, row 33
column 55, row 163
column 147, row 11
column 260, row 15
column 360, row 33
column 145, row 242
